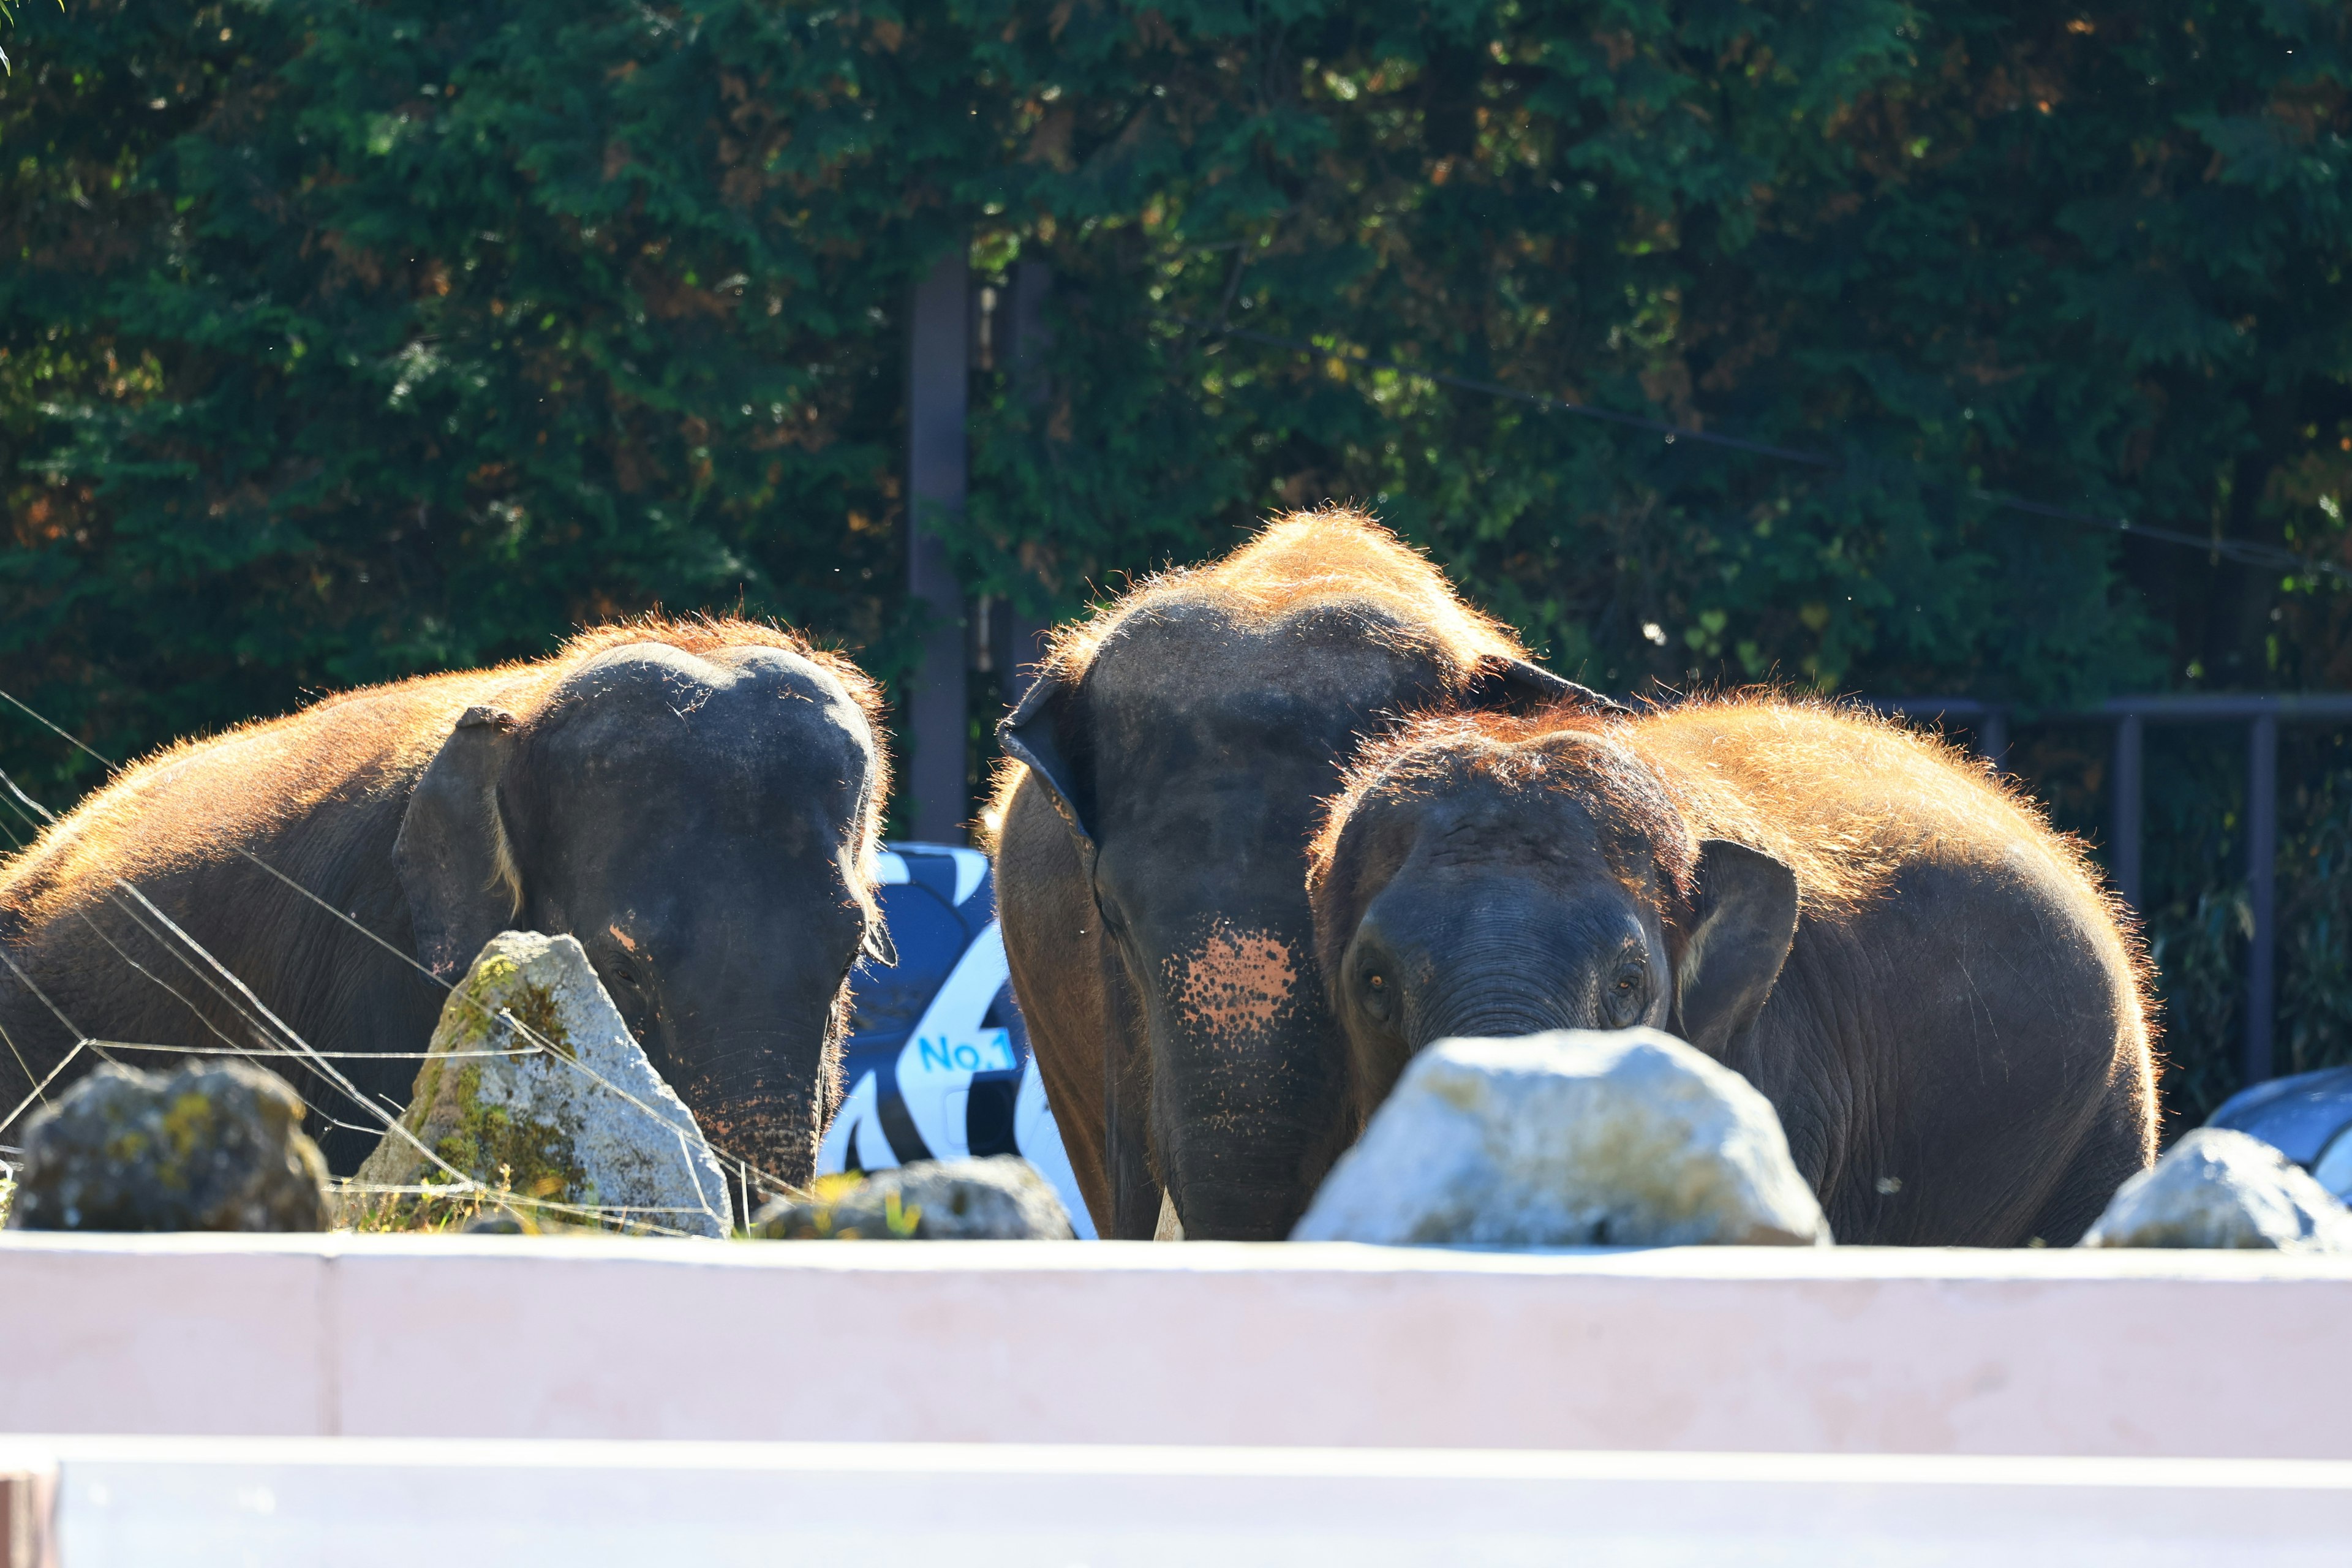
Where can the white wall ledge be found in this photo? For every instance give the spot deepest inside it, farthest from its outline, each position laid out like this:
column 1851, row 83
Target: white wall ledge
column 373, row 1504
column 362, row 1503
column 1830, row 1351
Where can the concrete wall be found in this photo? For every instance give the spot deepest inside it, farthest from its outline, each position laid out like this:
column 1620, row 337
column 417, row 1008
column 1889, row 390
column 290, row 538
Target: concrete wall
column 1834, row 1350
column 373, row 1503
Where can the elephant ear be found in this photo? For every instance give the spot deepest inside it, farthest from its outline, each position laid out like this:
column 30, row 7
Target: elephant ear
column 1032, row 735
column 453, row 855
column 1746, row 918
column 1518, row 686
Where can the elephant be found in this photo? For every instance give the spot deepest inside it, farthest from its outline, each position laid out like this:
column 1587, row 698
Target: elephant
column 1149, row 825
column 1931, row 987
column 696, row 801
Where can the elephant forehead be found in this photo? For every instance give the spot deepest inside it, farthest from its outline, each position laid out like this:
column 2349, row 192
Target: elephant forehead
column 1234, row 981
column 656, row 675
column 1475, row 829
column 1197, row 657
column 643, row 692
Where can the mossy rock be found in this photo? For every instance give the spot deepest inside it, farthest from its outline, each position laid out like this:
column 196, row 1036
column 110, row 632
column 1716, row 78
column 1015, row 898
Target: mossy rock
column 215, row 1146
column 535, row 1097
column 1001, row 1198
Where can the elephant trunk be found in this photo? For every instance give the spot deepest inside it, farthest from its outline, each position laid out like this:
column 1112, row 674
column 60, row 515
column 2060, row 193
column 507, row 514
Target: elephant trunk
column 773, row 1126
column 1500, row 1001
column 1504, row 976
column 1248, row 1107
column 761, row 1095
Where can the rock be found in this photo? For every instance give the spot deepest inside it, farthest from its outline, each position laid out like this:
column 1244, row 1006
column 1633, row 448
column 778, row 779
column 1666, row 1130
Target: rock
column 1620, row 1138
column 2307, row 1118
column 510, row 1095
column 215, row 1146
column 999, row 1198
column 510, row 1222
column 2221, row 1188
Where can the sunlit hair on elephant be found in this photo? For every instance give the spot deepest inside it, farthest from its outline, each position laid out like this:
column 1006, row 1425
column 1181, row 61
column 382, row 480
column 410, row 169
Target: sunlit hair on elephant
column 696, row 801
column 1165, row 773
column 1929, row 983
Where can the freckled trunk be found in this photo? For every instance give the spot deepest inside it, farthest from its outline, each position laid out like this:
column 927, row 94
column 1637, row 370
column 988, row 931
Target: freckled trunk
column 775, row 1130
column 1247, row 1106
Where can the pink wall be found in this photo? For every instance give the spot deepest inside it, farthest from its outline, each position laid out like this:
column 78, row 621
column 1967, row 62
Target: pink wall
column 1842, row 1349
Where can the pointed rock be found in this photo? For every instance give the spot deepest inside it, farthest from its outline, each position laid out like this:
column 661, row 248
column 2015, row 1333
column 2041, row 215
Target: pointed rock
column 535, row 1084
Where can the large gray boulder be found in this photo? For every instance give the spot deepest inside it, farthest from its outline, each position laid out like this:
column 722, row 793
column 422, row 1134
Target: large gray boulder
column 534, row 1087
column 215, row 1146
column 2219, row 1188
column 1000, row 1198
column 1625, row 1138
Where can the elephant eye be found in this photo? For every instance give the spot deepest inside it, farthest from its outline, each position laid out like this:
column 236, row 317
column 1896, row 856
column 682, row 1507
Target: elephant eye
column 1629, row 993
column 619, row 974
column 1379, row 996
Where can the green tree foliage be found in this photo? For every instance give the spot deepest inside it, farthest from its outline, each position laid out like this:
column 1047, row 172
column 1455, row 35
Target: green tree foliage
column 2096, row 259
column 340, row 339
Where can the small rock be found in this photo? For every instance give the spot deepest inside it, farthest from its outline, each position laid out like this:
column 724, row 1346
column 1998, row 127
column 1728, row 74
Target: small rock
column 510, row 1095
column 1620, row 1137
column 511, row 1222
column 2219, row 1188
column 215, row 1146
column 999, row 1198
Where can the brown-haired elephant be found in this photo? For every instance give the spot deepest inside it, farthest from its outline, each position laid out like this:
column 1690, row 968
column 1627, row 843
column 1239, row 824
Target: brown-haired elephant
column 1928, row 983
column 1165, row 772
column 698, row 802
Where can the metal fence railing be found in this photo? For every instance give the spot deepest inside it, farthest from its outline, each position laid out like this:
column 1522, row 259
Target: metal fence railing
column 2261, row 715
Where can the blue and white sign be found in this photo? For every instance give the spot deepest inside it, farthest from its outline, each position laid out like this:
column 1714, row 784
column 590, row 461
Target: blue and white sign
column 937, row 1062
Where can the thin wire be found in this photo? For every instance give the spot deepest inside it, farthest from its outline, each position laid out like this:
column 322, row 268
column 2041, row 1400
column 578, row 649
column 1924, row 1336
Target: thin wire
column 394, row 1123
column 115, row 899
column 520, row 1027
column 331, row 1072
column 306, row 1052
column 2249, row 553
column 330, row 1055
column 26, row 981
column 261, row 1034
column 111, row 766
column 29, row 1074
column 218, row 1032
column 28, row 799
column 231, row 1002
column 10, row 1120
column 460, row 1180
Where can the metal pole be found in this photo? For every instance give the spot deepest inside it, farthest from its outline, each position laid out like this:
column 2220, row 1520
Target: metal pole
column 1033, row 282
column 938, row 387
column 2262, row 869
column 1992, row 736
column 2123, row 847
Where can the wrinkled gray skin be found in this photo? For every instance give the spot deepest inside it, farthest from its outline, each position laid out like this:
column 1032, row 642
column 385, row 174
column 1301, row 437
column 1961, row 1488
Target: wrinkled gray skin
column 1948, row 1060
column 694, row 820
column 1150, row 879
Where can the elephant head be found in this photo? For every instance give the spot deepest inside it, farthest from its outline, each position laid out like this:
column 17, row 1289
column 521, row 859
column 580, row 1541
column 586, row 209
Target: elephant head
column 703, row 820
column 1496, row 877
column 1187, row 755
